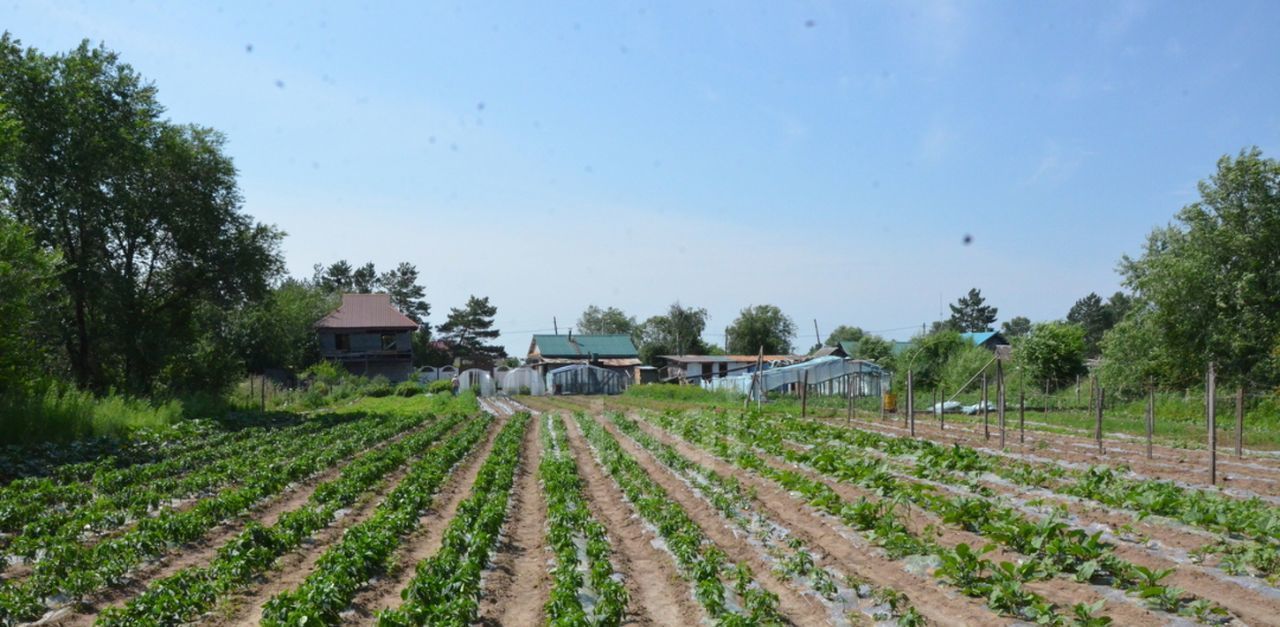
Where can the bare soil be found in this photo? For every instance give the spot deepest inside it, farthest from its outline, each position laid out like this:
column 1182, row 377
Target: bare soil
column 518, row 585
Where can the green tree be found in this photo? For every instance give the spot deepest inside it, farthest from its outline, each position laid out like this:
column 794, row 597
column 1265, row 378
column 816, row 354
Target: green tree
column 1053, row 352
column 844, row 333
column 468, row 328
column 28, row 279
column 1018, row 326
column 279, row 332
column 608, row 321
column 926, row 358
column 678, row 332
column 1210, row 283
column 875, row 348
column 364, row 280
column 407, row 296
column 971, row 313
column 336, row 277
column 761, row 327
column 145, row 213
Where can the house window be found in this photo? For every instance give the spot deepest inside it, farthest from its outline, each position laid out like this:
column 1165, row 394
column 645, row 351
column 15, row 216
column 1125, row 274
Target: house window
column 342, row 342
column 388, row 341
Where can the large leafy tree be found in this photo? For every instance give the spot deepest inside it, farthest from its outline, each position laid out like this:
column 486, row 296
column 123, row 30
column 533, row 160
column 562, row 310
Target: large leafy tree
column 761, row 327
column 610, row 320
column 468, row 328
column 971, row 313
column 844, row 333
column 1052, row 353
column 279, row 332
column 679, row 332
column 1208, row 286
column 145, row 213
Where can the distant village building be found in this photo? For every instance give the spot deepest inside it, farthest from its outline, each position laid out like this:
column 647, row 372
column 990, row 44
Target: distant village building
column 613, row 352
column 986, row 339
column 368, row 336
column 694, row 368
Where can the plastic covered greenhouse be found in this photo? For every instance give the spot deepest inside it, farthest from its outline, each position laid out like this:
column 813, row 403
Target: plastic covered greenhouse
column 585, row 379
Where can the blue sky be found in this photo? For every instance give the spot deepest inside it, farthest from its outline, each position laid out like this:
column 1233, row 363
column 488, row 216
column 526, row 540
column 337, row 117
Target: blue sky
column 824, row 157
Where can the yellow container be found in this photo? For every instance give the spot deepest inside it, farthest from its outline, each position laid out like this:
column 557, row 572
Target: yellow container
column 890, row 401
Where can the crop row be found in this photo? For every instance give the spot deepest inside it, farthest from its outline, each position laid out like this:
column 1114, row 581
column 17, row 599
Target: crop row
column 367, row 547
column 698, row 558
column 186, row 595
column 153, row 485
column 1253, row 519
column 793, row 558
column 569, row 523
column 73, row 571
column 1001, row 586
column 445, row 589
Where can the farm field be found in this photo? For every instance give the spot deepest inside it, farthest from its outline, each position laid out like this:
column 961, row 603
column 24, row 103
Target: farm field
column 587, row 511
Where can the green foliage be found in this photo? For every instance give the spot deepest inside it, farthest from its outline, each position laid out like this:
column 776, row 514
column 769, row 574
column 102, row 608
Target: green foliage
column 608, row 321
column 146, row 214
column 844, row 333
column 440, row 386
column 678, row 332
column 1210, row 283
column 927, row 357
column 409, row 388
column 1097, row 317
column 1016, row 327
column 961, row 366
column 761, row 327
column 28, row 279
column 673, row 392
column 61, row 413
column 279, row 332
column 971, row 313
column 468, row 328
column 1052, row 352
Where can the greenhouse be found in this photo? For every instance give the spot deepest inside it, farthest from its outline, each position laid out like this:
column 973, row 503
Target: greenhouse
column 523, row 381
column 585, row 379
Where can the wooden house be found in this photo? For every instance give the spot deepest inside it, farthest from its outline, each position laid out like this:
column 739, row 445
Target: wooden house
column 368, row 336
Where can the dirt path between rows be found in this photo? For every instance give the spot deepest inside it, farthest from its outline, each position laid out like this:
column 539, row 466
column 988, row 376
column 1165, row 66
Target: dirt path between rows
column 792, row 603
column 518, row 584
column 384, row 593
column 204, row 550
column 658, row 595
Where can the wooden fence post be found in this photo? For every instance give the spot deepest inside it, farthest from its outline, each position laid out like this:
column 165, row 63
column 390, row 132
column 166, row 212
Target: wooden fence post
column 986, row 427
column 804, row 394
column 1000, row 399
column 1022, row 415
column 849, row 393
column 911, row 410
column 262, row 387
column 1097, row 425
column 1210, row 405
column 1240, row 421
column 1151, row 415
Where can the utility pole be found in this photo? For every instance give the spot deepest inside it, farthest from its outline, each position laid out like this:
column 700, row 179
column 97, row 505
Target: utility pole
column 555, row 325
column 816, row 335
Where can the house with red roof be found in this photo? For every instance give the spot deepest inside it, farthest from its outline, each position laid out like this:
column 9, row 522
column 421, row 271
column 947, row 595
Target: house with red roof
column 368, row 336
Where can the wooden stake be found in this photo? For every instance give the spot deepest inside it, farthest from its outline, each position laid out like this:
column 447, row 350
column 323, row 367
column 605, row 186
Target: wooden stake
column 849, row 393
column 1022, row 415
column 1240, row 421
column 1097, row 425
column 804, row 394
column 1210, row 392
column 1151, row 415
column 910, row 417
column 1000, row 399
column 262, row 387
column 986, row 428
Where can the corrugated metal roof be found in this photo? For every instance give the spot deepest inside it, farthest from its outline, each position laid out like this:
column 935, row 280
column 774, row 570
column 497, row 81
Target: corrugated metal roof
column 601, row 346
column 366, row 311
column 983, row 337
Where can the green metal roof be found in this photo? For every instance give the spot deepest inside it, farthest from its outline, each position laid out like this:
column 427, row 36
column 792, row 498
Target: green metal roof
column 850, row 347
column 552, row 346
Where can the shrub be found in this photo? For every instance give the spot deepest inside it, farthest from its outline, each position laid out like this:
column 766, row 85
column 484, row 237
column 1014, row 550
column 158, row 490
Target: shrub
column 378, row 386
column 408, row 388
column 62, row 414
column 441, row 386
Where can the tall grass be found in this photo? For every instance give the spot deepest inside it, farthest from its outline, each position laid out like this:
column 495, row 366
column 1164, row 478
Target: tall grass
column 63, row 414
